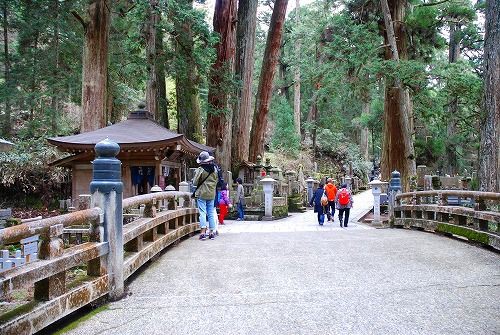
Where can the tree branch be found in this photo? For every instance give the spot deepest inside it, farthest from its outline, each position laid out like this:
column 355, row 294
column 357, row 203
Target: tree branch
column 432, row 3
column 79, row 18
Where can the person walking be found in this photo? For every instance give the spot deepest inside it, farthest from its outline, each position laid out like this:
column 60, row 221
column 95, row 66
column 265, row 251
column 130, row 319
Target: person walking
column 205, row 180
column 331, row 193
column 344, row 203
column 224, row 203
column 320, row 201
column 240, row 200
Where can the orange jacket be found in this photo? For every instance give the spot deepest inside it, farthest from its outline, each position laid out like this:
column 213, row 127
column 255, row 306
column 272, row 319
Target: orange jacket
column 331, row 192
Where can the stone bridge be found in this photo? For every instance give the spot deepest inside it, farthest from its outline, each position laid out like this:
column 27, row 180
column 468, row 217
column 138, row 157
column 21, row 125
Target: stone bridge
column 293, row 276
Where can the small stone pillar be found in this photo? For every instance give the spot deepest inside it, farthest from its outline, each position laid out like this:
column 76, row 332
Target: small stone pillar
column 184, row 187
column 310, row 193
column 268, row 187
column 107, row 193
column 171, row 202
column 157, row 204
column 376, row 186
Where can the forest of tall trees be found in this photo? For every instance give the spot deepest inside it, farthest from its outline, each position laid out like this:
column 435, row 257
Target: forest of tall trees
column 355, row 84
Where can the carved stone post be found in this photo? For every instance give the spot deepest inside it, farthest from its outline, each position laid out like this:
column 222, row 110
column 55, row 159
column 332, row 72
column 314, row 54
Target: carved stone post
column 107, row 193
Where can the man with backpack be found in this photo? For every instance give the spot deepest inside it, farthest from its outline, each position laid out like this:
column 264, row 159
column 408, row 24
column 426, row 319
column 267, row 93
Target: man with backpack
column 331, row 193
column 205, row 179
column 344, row 202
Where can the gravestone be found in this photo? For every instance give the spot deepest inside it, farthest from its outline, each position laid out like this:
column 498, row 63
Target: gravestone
column 5, row 214
column 451, row 183
column 421, row 172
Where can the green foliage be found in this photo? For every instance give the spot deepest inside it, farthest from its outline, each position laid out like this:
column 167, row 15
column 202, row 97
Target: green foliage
column 284, row 136
column 25, row 174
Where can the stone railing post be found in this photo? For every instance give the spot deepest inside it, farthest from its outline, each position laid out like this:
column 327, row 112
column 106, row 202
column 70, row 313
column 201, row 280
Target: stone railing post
column 107, row 193
column 394, row 189
column 376, row 186
column 184, row 187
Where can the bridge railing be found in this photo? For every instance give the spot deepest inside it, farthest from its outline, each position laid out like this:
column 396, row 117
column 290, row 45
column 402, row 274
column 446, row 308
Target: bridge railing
column 66, row 278
column 469, row 214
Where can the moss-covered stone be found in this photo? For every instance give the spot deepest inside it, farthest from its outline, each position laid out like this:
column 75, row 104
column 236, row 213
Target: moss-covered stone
column 472, row 235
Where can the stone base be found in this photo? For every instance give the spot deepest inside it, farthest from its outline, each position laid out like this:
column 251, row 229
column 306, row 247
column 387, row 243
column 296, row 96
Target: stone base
column 267, row 218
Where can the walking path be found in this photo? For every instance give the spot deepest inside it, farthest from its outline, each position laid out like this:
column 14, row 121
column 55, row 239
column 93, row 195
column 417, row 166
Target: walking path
column 292, row 276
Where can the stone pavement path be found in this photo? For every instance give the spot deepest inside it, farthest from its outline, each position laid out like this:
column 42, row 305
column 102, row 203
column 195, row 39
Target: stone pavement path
column 293, row 277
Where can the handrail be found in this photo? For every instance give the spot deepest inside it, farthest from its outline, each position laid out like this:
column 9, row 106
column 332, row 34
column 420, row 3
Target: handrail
column 147, row 198
column 460, row 193
column 16, row 233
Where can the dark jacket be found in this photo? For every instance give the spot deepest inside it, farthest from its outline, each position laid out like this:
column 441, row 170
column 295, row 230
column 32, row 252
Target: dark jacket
column 317, row 200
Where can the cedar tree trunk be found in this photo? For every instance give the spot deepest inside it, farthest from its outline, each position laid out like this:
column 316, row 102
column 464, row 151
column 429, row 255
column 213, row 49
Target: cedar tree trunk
column 244, row 66
column 489, row 152
column 264, row 92
column 186, row 86
column 296, row 74
column 95, row 65
column 398, row 152
column 7, row 126
column 219, row 118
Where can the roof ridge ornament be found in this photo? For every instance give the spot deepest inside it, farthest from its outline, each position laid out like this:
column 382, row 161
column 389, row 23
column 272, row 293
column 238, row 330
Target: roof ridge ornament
column 140, row 113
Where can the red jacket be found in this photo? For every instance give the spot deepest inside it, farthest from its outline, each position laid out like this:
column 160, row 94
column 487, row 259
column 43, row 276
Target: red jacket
column 331, row 192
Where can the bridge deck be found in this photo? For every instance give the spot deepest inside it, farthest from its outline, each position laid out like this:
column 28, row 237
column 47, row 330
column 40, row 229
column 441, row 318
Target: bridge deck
column 294, row 277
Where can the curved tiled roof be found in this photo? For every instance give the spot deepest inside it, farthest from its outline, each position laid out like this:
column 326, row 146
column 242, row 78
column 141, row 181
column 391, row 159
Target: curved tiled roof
column 134, row 133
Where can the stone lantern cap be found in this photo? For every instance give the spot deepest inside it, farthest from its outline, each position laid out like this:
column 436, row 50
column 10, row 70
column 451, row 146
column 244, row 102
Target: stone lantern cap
column 170, row 188
column 377, row 183
column 155, row 189
column 267, row 180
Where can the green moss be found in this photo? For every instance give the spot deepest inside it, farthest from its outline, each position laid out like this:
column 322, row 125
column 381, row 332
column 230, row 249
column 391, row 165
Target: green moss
column 84, row 318
column 472, row 235
column 17, row 311
column 280, row 211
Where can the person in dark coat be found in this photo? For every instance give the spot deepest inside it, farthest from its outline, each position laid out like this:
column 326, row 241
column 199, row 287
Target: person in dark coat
column 318, row 208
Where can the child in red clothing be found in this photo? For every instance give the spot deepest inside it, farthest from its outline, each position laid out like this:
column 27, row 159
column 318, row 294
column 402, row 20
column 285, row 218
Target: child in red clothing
column 224, row 203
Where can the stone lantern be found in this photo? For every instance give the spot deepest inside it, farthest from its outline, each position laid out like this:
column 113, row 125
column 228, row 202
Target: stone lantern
column 310, row 183
column 376, row 186
column 268, row 187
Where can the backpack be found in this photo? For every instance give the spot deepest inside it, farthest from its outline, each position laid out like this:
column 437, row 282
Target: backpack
column 324, row 199
column 344, row 197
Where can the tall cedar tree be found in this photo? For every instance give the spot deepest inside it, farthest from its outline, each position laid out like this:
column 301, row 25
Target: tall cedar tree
column 219, row 118
column 489, row 155
column 244, row 66
column 264, row 92
column 398, row 153
column 296, row 74
column 95, row 64
column 156, row 99
column 187, row 79
column 6, row 126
